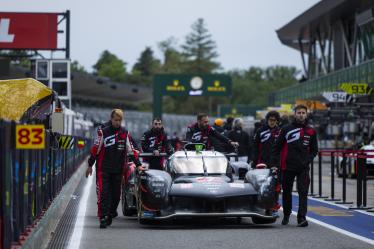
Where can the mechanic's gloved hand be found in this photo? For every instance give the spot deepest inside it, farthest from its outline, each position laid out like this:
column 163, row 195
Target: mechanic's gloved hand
column 91, row 161
column 273, row 171
column 234, row 144
column 89, row 172
column 141, row 168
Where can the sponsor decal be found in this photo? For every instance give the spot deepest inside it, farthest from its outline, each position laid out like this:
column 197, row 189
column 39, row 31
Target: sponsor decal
column 293, row 135
column 265, row 135
column 236, row 185
column 186, row 185
column 175, row 87
column 216, row 87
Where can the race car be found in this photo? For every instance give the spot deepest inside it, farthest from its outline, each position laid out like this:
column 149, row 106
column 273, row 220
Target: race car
column 199, row 184
column 351, row 164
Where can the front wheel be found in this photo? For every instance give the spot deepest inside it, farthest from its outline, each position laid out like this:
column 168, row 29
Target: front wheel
column 126, row 210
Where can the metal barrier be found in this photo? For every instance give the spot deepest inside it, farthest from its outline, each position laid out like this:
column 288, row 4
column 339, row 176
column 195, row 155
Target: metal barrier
column 360, row 166
column 30, row 180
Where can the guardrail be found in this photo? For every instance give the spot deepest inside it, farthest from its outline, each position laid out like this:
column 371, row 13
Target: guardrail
column 30, row 180
column 360, row 168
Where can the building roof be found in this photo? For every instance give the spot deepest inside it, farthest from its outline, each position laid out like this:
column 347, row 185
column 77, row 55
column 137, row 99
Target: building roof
column 321, row 15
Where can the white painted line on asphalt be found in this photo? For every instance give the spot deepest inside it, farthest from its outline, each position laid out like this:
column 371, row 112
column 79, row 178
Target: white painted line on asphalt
column 336, row 229
column 76, row 237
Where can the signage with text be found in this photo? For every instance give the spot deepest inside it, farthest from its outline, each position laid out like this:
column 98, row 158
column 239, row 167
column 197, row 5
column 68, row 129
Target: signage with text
column 28, row 31
column 193, row 85
column 356, row 88
column 30, row 137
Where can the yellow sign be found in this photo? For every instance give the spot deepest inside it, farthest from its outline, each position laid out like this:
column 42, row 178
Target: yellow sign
column 356, row 88
column 216, row 87
column 312, row 104
column 30, row 137
column 175, row 87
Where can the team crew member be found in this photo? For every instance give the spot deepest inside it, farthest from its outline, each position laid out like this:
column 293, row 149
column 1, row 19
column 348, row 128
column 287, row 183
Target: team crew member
column 110, row 149
column 293, row 151
column 202, row 132
column 242, row 137
column 156, row 141
column 264, row 139
column 216, row 143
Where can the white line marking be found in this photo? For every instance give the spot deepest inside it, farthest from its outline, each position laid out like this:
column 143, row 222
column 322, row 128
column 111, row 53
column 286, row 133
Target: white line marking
column 339, row 230
column 75, row 239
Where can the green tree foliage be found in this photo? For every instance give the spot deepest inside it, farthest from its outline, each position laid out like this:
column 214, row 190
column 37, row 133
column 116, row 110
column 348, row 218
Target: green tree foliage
column 200, row 49
column 76, row 67
column 253, row 86
column 173, row 61
column 145, row 68
column 147, row 65
column 109, row 65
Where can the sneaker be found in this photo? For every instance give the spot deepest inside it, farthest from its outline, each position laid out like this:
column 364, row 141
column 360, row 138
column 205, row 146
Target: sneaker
column 286, row 220
column 103, row 222
column 302, row 223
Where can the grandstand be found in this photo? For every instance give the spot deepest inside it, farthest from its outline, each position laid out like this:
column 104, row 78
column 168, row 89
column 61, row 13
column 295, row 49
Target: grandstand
column 335, row 41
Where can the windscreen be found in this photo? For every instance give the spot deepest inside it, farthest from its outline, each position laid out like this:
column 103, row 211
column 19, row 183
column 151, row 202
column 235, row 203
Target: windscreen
column 195, row 164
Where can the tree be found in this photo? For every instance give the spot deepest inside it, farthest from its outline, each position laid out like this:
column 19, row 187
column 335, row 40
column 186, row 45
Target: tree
column 76, row 67
column 147, row 65
column 174, row 60
column 109, row 65
column 200, row 49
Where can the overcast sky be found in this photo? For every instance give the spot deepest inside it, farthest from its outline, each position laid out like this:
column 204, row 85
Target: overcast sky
column 244, row 30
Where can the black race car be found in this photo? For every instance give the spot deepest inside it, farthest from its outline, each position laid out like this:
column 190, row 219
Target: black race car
column 199, row 184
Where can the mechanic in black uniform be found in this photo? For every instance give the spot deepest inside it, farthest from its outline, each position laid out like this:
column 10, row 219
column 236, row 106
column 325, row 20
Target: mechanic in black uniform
column 293, row 151
column 216, row 143
column 202, row 132
column 237, row 134
column 110, row 150
column 264, row 139
column 156, row 141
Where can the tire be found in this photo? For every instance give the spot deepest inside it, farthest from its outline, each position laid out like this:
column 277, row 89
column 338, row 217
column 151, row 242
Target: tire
column 126, row 211
column 259, row 220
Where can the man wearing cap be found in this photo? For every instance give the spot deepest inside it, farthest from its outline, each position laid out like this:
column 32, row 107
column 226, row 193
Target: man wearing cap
column 217, row 144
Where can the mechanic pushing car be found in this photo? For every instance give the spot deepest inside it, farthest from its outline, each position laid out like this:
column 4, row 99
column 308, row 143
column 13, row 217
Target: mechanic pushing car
column 264, row 140
column 293, row 151
column 202, row 132
column 156, row 141
column 111, row 147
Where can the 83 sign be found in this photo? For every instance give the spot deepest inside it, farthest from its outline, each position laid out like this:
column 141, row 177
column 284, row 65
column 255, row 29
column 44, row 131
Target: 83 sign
column 30, row 137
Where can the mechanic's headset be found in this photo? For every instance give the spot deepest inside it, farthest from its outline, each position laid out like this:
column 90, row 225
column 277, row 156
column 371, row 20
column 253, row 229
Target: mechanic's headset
column 273, row 114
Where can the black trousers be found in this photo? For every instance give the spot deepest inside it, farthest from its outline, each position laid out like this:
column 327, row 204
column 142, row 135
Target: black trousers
column 108, row 192
column 303, row 181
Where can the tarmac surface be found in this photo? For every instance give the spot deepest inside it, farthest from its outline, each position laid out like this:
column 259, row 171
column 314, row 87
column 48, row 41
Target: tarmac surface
column 330, row 226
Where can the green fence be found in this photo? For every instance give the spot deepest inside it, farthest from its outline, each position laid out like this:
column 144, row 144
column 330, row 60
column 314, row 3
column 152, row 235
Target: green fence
column 363, row 73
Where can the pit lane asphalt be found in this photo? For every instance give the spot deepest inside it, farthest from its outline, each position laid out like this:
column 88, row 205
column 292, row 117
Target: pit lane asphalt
column 127, row 233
